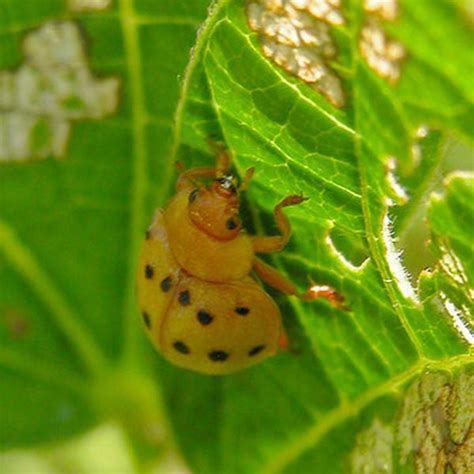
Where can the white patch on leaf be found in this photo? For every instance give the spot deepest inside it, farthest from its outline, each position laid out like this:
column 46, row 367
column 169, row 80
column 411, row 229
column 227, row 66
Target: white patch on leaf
column 53, row 87
column 384, row 56
column 459, row 317
column 452, row 266
column 387, row 9
column 87, row 5
column 436, row 426
column 397, row 189
column 416, row 151
column 295, row 34
column 458, row 174
column 393, row 258
column 327, row 10
column 373, row 450
column 422, row 131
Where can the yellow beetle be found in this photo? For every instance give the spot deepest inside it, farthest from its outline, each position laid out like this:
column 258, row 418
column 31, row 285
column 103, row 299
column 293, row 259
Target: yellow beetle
column 201, row 307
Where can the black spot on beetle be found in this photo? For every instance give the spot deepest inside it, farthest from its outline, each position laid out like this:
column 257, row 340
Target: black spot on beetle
column 193, row 195
column 184, row 298
column 149, row 271
column 166, row 284
column 204, row 317
column 230, row 223
column 218, row 356
column 242, row 310
column 146, row 319
column 181, row 347
column 256, row 350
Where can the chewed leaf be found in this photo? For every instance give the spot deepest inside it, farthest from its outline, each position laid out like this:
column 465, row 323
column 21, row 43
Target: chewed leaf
column 430, row 430
column 373, row 449
column 452, row 282
column 435, row 429
column 52, row 88
column 296, row 35
column 355, row 169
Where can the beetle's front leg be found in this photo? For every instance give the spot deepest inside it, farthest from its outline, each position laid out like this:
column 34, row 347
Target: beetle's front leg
column 274, row 243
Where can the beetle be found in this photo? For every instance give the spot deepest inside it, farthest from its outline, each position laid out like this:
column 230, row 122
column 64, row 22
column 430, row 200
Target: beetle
column 201, row 304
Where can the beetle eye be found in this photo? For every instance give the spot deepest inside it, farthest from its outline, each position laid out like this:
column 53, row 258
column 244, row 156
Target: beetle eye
column 231, row 224
column 193, row 195
column 227, row 184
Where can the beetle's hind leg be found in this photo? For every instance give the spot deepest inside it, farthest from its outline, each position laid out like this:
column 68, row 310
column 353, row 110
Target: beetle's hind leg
column 326, row 292
column 275, row 279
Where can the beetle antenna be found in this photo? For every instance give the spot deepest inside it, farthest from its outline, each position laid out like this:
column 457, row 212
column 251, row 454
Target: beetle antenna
column 180, row 167
column 223, row 163
column 246, row 181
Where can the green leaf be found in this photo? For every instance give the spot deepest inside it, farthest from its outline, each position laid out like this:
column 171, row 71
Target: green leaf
column 451, row 219
column 70, row 229
column 72, row 350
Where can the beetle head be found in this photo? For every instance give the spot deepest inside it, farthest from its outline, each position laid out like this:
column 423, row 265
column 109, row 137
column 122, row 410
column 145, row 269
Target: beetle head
column 215, row 209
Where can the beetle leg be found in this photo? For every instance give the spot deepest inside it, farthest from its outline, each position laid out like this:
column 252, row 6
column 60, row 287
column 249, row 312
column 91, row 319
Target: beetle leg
column 275, row 279
column 246, row 181
column 328, row 293
column 274, row 243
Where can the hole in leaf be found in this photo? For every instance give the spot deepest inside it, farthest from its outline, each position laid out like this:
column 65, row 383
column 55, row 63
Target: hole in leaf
column 348, row 246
